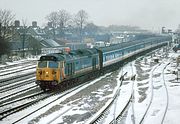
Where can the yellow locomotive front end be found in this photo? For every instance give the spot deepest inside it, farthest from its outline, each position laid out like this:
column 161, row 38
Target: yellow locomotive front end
column 50, row 71
column 48, row 74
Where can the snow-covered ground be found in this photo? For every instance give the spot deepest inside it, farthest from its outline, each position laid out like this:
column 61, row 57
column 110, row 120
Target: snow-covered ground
column 17, row 68
column 82, row 105
column 149, row 86
column 19, row 61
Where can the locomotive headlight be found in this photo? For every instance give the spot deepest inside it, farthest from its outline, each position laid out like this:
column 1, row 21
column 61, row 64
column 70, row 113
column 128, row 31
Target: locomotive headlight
column 47, row 72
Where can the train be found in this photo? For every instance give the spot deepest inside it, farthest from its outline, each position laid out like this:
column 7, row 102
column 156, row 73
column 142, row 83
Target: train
column 68, row 69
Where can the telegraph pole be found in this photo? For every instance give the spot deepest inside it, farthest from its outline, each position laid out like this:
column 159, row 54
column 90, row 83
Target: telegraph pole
column 23, row 40
column 24, row 37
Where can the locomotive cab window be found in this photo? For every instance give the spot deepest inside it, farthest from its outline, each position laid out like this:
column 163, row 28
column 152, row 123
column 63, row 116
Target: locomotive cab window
column 42, row 64
column 53, row 64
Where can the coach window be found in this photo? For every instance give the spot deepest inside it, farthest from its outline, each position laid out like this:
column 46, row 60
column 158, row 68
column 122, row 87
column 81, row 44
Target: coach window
column 42, row 64
column 53, row 64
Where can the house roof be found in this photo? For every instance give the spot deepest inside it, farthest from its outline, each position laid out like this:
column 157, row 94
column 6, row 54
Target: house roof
column 50, row 43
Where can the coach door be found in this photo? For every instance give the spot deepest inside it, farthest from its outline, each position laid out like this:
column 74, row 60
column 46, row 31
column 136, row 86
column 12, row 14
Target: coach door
column 71, row 68
column 94, row 63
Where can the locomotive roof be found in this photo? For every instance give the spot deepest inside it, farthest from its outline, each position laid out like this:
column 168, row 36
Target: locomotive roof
column 84, row 52
column 52, row 56
column 69, row 56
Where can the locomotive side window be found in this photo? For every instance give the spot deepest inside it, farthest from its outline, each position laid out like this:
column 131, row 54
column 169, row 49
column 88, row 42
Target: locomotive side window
column 53, row 64
column 42, row 64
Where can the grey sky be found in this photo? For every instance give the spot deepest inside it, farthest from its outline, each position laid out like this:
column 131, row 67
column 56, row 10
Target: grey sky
column 149, row 14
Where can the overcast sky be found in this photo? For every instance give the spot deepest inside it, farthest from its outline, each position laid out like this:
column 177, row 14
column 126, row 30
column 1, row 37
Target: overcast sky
column 148, row 14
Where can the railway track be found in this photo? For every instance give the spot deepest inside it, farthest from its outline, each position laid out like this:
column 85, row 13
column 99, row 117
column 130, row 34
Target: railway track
column 17, row 64
column 118, row 114
column 50, row 100
column 15, row 94
column 133, row 95
column 17, row 88
column 15, row 73
column 152, row 95
column 21, row 99
column 151, row 104
column 14, row 85
column 103, row 112
column 99, row 118
column 19, row 71
column 59, row 96
column 129, row 103
column 7, row 109
column 15, row 78
column 15, row 69
column 167, row 94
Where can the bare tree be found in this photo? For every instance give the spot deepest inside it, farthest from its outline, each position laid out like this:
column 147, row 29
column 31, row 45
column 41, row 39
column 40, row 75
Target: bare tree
column 6, row 29
column 53, row 18
column 63, row 20
column 80, row 20
column 6, row 22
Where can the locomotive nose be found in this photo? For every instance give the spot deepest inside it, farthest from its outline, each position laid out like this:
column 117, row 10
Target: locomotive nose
column 47, row 74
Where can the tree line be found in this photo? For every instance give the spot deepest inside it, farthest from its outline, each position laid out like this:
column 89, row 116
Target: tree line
column 62, row 20
column 59, row 20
